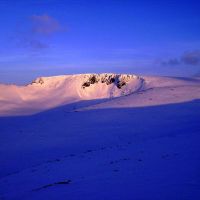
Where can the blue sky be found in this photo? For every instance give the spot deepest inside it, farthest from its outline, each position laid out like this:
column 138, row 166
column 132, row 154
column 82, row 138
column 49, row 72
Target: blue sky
column 42, row 38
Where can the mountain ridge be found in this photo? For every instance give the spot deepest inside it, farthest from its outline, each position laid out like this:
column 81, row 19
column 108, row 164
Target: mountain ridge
column 48, row 92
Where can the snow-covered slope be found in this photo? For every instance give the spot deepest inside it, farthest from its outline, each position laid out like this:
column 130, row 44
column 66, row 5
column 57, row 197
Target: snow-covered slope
column 157, row 91
column 49, row 92
column 142, row 146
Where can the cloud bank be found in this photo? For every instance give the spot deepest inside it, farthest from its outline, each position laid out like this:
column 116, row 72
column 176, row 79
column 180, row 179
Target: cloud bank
column 191, row 58
column 187, row 58
column 38, row 34
column 45, row 24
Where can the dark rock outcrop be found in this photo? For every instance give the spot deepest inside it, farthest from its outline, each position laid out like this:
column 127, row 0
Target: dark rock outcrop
column 117, row 79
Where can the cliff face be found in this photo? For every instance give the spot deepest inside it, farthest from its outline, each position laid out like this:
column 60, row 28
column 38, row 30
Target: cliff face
column 118, row 79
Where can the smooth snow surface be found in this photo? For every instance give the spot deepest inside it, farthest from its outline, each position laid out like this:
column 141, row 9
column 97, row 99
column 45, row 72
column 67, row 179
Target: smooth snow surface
column 141, row 145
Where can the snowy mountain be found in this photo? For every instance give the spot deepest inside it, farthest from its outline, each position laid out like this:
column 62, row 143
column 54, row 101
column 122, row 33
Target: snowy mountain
column 100, row 136
column 49, row 92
